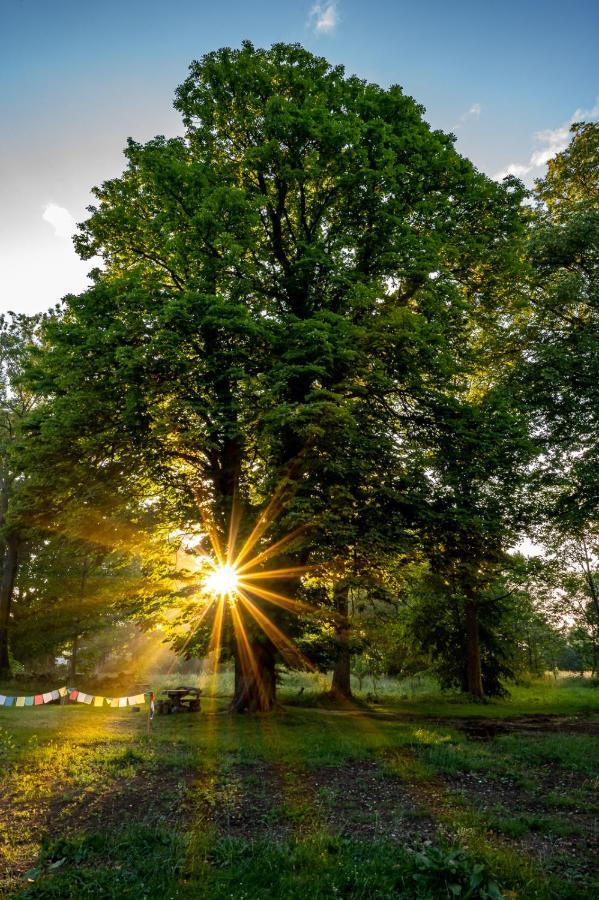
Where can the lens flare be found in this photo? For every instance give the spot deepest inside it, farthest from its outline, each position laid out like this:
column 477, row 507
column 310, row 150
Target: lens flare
column 222, row 581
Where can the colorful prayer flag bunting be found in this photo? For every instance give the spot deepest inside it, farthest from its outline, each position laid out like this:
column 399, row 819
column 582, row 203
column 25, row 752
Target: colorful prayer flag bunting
column 73, row 695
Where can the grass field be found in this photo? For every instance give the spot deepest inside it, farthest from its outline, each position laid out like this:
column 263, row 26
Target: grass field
column 418, row 795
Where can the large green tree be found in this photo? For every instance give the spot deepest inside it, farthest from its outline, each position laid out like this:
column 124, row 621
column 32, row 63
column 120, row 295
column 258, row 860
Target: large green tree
column 284, row 291
column 478, row 468
column 562, row 371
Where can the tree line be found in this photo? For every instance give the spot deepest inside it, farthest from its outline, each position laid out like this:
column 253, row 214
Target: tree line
column 312, row 320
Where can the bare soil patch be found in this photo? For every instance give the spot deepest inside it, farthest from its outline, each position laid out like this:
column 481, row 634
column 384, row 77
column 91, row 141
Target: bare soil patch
column 358, row 800
column 247, row 802
column 482, row 729
column 561, row 839
column 148, row 797
column 51, row 809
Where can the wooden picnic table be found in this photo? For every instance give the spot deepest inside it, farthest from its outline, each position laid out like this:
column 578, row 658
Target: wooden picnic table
column 180, row 699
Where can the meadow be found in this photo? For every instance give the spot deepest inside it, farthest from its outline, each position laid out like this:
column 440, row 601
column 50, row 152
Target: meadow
column 408, row 792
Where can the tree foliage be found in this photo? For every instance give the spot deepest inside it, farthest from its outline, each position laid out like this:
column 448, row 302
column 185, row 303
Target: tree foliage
column 562, row 375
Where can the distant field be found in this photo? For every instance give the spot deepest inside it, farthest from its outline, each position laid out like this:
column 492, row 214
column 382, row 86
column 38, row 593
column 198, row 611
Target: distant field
column 413, row 796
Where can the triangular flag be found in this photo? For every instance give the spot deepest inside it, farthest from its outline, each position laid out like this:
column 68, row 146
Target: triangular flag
column 98, row 701
column 38, row 700
column 20, row 701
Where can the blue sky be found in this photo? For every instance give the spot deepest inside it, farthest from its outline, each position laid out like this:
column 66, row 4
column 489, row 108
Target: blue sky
column 77, row 78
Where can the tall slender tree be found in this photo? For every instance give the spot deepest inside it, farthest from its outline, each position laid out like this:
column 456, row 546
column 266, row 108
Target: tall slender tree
column 561, row 375
column 17, row 333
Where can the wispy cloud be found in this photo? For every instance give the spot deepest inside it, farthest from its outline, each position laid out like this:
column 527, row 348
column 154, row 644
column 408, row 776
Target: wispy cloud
column 324, row 17
column 550, row 142
column 471, row 114
column 60, row 219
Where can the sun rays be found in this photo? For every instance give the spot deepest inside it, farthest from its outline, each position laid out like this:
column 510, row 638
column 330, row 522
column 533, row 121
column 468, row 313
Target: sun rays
column 230, row 588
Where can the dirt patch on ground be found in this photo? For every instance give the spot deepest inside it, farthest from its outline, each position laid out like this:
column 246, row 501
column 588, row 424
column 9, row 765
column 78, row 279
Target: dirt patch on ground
column 246, row 800
column 479, row 727
column 561, row 839
column 51, row 809
column 145, row 798
column 482, row 729
column 359, row 800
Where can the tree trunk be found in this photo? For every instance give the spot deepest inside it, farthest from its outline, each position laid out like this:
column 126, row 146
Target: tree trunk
column 7, row 584
column 73, row 660
column 341, row 684
column 590, row 578
column 475, row 682
column 255, row 680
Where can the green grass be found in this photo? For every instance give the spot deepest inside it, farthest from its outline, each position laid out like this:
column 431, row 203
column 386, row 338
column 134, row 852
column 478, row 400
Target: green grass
column 290, row 805
column 571, row 752
column 518, row 826
column 320, row 867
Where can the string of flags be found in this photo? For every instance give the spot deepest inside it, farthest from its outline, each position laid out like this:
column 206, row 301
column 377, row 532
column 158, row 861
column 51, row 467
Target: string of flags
column 74, row 696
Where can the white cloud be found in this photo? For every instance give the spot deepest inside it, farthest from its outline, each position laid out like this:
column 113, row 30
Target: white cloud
column 551, row 141
column 517, row 169
column 472, row 113
column 60, row 219
column 35, row 277
column 324, row 17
